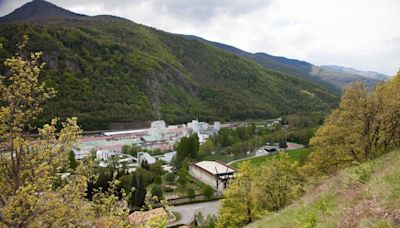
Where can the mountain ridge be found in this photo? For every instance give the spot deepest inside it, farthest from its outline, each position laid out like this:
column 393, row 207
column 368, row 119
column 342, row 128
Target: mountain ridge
column 108, row 69
column 38, row 10
column 333, row 78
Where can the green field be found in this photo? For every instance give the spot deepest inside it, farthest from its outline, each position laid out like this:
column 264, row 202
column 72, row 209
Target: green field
column 299, row 155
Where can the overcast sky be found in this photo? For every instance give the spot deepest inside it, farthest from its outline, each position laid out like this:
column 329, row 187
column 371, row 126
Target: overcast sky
column 364, row 34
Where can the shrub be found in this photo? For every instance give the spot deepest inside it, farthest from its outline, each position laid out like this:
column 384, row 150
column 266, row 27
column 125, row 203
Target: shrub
column 158, row 180
column 157, row 191
column 170, row 177
column 208, row 191
column 182, row 180
column 190, row 193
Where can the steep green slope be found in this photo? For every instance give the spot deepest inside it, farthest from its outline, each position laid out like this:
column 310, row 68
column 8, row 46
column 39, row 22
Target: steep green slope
column 367, row 195
column 108, row 69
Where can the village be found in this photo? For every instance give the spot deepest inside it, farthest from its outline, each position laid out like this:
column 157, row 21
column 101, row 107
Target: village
column 204, row 181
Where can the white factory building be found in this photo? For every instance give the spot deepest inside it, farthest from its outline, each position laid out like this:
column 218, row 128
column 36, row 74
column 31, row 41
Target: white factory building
column 213, row 173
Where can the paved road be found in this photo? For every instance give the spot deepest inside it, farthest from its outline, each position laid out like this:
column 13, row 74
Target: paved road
column 187, row 211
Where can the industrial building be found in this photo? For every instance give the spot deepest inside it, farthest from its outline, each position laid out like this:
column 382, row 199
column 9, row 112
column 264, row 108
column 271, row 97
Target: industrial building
column 213, row 173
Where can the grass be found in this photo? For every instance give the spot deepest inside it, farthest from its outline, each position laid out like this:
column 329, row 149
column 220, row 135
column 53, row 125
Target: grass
column 223, row 157
column 299, row 155
column 365, row 195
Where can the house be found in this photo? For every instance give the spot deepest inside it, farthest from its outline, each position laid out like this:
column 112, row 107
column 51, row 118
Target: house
column 143, row 156
column 103, row 155
column 213, row 173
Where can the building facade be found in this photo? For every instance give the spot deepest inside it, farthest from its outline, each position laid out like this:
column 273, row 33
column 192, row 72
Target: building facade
column 213, row 173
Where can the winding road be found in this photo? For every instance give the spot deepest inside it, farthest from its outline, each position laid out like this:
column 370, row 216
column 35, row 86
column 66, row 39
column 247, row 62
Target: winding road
column 188, row 211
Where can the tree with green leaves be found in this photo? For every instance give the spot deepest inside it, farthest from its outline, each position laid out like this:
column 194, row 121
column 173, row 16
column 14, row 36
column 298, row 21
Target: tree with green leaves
column 363, row 127
column 72, row 161
column 31, row 194
column 190, row 193
column 156, row 190
column 133, row 188
column 208, row 191
column 239, row 205
column 140, row 192
column 187, row 148
column 278, row 183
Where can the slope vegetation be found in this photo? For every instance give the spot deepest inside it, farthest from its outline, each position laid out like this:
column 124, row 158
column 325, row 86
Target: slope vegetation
column 108, row 69
column 366, row 195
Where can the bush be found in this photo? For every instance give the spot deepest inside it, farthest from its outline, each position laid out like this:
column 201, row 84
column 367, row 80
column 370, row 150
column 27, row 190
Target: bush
column 158, row 180
column 363, row 172
column 170, row 177
column 182, row 180
column 208, row 191
column 157, row 191
column 190, row 193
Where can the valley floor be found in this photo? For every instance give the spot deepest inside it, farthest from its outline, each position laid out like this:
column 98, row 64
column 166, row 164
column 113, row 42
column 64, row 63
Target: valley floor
column 366, row 195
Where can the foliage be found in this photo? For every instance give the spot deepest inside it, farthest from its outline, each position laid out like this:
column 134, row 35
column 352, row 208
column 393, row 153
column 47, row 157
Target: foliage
column 190, row 193
column 158, row 180
column 239, row 205
column 72, row 163
column 366, row 124
column 109, row 70
column 341, row 200
column 208, row 191
column 170, row 177
column 209, row 222
column 108, row 209
column 31, row 194
column 187, row 148
column 256, row 190
column 156, row 190
column 279, row 183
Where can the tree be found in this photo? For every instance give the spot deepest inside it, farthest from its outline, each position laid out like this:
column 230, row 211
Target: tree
column 170, row 177
column 279, row 183
column 72, row 161
column 206, row 148
column 190, row 193
column 156, row 190
column 363, row 127
column 157, row 180
column 187, row 148
column 29, row 167
column 239, row 205
column 208, row 191
column 140, row 192
column 133, row 188
column 182, row 180
column 32, row 194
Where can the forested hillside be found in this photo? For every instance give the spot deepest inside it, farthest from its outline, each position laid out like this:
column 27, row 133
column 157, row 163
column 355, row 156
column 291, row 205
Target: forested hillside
column 107, row 69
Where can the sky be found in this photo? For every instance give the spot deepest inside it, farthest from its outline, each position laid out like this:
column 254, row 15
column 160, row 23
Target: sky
column 363, row 34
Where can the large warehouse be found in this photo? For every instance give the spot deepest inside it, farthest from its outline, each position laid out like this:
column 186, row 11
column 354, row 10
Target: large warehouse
column 213, row 173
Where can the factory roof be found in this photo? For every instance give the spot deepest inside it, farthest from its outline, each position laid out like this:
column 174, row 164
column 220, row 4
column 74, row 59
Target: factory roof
column 125, row 132
column 214, row 167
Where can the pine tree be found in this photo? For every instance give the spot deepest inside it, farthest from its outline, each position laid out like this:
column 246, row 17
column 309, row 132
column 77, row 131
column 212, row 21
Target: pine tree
column 140, row 193
column 133, row 187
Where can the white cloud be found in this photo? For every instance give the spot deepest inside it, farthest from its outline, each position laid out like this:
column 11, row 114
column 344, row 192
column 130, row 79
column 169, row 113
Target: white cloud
column 363, row 34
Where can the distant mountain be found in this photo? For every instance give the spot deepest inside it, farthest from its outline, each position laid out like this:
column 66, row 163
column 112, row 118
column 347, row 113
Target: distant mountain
column 38, row 10
column 108, row 69
column 331, row 77
column 348, row 70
